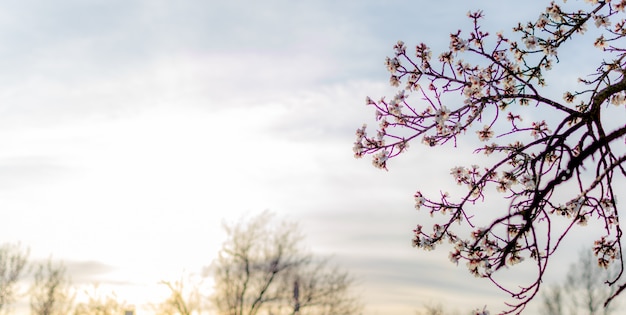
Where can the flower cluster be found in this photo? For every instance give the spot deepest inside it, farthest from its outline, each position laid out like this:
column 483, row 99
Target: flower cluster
column 359, row 147
column 380, row 159
column 618, row 99
column 485, row 134
column 606, row 251
column 457, row 44
column 539, row 129
column 570, row 209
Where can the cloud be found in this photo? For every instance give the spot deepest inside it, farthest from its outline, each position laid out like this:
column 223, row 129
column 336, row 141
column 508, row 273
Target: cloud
column 79, row 272
column 88, row 272
column 28, row 170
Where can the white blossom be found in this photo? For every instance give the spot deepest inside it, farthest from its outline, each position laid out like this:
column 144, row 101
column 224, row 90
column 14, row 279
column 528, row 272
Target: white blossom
column 601, row 21
column 419, row 200
column 460, row 174
column 530, row 42
column 400, row 48
column 485, row 134
column 618, row 99
column 379, row 159
column 442, row 115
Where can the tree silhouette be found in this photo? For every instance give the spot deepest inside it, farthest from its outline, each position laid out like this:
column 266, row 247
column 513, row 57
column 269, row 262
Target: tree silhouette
column 101, row 304
column 50, row 292
column 584, row 290
column 262, row 268
column 13, row 260
column 554, row 160
column 181, row 300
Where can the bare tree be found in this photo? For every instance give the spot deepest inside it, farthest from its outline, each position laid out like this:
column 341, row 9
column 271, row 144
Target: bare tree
column 552, row 301
column 99, row 304
column 555, row 161
column 584, row 291
column 13, row 259
column 50, row 293
column 322, row 289
column 181, row 301
column 438, row 309
column 432, row 310
column 587, row 287
column 262, row 266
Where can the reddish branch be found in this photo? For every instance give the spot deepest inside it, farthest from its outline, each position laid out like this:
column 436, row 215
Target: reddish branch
column 540, row 157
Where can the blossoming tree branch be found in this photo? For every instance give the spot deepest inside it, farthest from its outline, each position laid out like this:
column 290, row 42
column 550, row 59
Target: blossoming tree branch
column 558, row 169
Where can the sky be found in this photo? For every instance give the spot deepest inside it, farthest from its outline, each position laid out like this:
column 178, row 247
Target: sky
column 130, row 131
